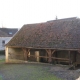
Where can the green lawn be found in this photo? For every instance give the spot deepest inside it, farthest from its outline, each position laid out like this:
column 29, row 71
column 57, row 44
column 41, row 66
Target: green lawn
column 26, row 71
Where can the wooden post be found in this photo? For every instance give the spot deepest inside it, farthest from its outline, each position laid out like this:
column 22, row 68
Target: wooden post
column 26, row 51
column 37, row 56
column 46, row 57
column 6, row 51
column 69, row 58
column 50, row 52
column 57, row 61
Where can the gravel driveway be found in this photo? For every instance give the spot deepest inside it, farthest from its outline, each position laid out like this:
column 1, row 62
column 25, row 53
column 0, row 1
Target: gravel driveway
column 63, row 72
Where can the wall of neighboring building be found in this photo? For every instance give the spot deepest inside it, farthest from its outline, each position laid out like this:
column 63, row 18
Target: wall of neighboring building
column 3, row 41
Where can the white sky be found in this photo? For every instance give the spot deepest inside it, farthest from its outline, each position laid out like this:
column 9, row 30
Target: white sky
column 16, row 13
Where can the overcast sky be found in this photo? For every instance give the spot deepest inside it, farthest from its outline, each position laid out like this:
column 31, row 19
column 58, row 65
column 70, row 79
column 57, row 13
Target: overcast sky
column 16, row 13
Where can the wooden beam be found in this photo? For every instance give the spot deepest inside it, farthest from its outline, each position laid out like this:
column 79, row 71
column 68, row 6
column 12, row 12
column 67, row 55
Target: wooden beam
column 70, row 62
column 43, row 48
column 26, row 51
column 7, row 54
column 50, row 52
column 65, row 59
column 49, row 55
column 53, row 51
column 78, row 51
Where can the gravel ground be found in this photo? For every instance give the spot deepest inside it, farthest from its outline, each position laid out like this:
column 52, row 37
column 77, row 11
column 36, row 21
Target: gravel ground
column 63, row 72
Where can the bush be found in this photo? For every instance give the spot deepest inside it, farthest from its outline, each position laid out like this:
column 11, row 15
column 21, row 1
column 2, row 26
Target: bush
column 2, row 52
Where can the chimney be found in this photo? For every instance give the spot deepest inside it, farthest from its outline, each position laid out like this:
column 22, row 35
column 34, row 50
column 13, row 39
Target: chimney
column 56, row 18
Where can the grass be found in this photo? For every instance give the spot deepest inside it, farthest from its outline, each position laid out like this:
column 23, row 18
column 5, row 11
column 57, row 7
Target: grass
column 2, row 60
column 25, row 72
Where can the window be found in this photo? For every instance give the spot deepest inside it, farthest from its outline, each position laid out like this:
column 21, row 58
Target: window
column 10, row 32
column 3, row 42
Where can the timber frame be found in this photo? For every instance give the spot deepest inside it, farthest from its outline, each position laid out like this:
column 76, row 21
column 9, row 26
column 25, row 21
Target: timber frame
column 49, row 57
column 25, row 52
column 50, row 52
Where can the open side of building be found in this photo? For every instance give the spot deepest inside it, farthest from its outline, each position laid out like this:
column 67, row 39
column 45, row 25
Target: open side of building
column 56, row 41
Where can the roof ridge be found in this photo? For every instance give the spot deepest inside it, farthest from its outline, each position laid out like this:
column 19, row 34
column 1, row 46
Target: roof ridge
column 64, row 19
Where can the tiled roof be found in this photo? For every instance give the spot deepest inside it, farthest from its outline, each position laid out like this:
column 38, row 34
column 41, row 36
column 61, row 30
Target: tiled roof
column 56, row 34
column 8, row 31
column 3, row 34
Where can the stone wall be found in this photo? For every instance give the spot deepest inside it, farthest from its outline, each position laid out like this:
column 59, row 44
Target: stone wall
column 15, row 53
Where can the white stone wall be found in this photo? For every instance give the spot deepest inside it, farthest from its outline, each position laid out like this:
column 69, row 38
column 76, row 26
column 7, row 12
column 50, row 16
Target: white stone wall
column 7, row 39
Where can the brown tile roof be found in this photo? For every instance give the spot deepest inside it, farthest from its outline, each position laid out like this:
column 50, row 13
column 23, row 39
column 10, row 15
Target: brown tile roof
column 57, row 34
